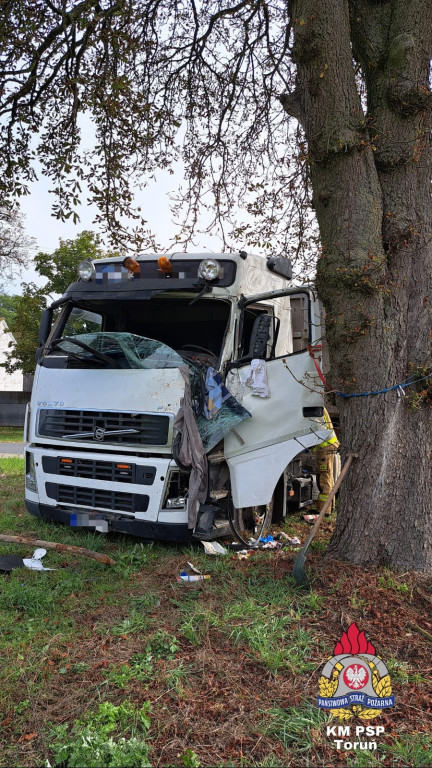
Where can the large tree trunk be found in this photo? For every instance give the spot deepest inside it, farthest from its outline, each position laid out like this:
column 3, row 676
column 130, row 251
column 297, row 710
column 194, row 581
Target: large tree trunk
column 370, row 172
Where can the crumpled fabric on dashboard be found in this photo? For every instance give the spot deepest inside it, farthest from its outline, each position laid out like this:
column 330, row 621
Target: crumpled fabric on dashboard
column 216, row 393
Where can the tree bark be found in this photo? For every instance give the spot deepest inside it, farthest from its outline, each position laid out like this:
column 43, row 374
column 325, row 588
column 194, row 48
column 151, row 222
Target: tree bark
column 370, row 167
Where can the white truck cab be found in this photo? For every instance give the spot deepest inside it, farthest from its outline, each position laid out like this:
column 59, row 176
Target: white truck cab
column 110, row 381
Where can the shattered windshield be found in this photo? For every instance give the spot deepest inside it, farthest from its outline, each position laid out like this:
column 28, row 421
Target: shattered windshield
column 124, row 350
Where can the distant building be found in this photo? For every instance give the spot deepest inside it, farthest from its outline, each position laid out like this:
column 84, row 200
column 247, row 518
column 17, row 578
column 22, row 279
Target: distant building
column 15, row 388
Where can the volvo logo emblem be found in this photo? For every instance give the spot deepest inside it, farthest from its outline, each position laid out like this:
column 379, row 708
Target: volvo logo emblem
column 99, row 433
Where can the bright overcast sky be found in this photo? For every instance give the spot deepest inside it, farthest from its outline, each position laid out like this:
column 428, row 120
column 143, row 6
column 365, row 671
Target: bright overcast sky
column 47, row 230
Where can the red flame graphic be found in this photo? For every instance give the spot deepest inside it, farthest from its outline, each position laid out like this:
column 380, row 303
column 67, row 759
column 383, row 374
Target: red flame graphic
column 354, row 642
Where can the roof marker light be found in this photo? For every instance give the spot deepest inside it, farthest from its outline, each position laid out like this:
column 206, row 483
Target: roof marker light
column 131, row 265
column 164, row 265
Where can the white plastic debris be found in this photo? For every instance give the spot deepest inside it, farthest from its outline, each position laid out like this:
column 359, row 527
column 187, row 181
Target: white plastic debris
column 193, row 568
column 35, row 561
column 213, row 548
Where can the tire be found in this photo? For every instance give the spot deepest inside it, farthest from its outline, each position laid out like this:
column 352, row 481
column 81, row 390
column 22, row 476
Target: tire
column 251, row 522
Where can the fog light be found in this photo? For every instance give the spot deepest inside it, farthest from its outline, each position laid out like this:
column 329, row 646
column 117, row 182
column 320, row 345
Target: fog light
column 209, row 269
column 30, row 478
column 177, row 502
column 86, row 270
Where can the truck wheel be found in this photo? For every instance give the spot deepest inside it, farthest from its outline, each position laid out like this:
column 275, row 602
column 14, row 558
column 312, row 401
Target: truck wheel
column 251, row 522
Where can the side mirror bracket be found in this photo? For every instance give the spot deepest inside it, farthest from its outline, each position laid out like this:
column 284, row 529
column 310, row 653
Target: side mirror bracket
column 44, row 331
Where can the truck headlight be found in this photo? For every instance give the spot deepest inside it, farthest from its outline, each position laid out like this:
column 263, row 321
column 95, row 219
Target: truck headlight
column 86, row 270
column 209, row 269
column 30, row 478
column 177, row 502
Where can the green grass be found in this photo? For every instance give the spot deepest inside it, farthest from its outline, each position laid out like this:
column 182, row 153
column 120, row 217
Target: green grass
column 86, row 644
column 11, row 435
column 95, row 741
column 415, row 749
column 12, row 466
column 407, row 750
column 297, row 729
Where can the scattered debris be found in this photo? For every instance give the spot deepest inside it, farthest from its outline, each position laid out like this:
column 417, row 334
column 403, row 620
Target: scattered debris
column 292, row 541
column 184, row 576
column 9, row 562
column 235, row 546
column 310, row 518
column 269, row 542
column 213, row 548
column 193, row 568
column 244, row 554
column 35, row 561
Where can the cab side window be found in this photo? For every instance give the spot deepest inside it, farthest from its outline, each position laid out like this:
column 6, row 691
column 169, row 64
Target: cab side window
column 276, row 327
column 257, row 331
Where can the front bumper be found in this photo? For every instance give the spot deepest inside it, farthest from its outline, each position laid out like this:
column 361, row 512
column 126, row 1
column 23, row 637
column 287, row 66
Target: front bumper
column 106, row 522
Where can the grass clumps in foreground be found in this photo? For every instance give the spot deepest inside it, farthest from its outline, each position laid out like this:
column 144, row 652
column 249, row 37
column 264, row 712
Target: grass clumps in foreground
column 12, row 466
column 11, row 435
column 142, row 666
column 93, row 742
column 299, row 729
column 230, row 666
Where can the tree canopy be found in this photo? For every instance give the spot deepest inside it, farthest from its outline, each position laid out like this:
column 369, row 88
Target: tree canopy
column 15, row 245
column 160, row 80
column 22, row 313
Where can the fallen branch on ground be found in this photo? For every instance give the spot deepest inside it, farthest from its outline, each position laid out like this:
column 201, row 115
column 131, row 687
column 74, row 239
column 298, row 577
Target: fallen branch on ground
column 60, row 547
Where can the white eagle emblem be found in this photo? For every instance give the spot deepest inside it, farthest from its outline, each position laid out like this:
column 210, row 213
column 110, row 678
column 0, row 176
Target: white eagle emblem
column 356, row 675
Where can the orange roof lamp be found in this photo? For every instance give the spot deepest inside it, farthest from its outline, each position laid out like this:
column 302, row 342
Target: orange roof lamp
column 164, row 265
column 131, row 265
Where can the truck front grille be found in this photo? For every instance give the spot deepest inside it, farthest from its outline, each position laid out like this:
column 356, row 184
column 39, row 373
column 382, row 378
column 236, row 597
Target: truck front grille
column 96, row 497
column 104, row 426
column 112, row 471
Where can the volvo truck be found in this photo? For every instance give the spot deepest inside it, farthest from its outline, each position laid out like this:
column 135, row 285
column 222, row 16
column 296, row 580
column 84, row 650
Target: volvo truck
column 134, row 343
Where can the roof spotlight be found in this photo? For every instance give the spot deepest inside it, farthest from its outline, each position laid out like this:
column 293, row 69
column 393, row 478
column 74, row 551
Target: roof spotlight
column 209, row 269
column 86, row 270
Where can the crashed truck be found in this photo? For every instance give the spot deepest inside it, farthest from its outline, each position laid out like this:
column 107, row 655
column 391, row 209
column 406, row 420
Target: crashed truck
column 176, row 397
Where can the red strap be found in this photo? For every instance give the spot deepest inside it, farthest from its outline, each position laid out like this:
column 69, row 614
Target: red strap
column 311, row 350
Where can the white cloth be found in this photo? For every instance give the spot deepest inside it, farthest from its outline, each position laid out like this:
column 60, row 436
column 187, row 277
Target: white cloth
column 257, row 378
column 235, row 385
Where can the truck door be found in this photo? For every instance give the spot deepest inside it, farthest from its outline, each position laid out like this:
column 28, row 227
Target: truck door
column 277, row 328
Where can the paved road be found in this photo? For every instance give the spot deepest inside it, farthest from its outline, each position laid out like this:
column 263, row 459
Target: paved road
column 11, row 449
